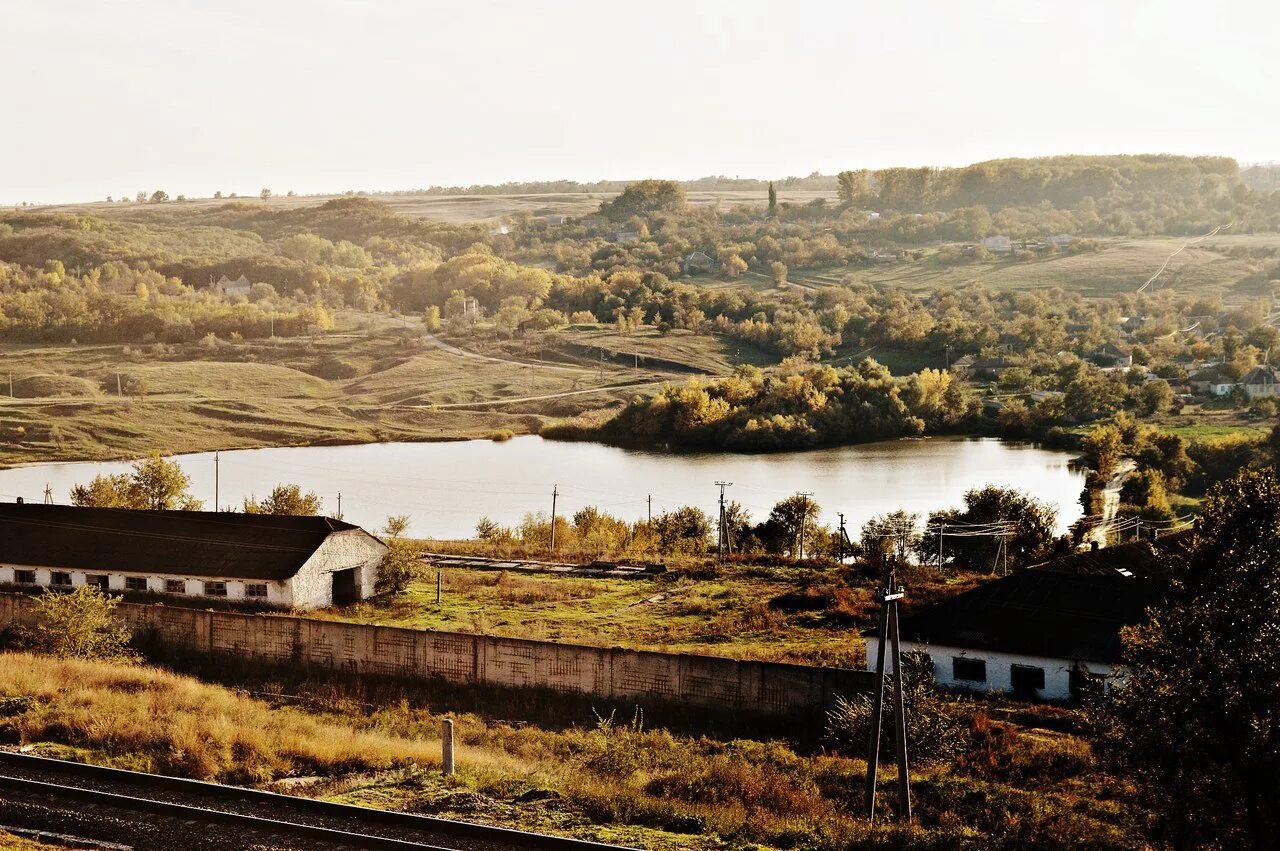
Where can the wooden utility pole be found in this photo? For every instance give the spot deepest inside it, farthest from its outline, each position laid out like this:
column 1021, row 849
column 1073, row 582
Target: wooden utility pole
column 722, row 539
column 555, row 492
column 804, row 516
column 217, row 477
column 889, row 594
column 842, row 536
column 650, row 509
column 339, row 505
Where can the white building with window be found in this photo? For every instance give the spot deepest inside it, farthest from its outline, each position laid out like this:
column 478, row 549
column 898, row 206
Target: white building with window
column 284, row 562
column 1045, row 632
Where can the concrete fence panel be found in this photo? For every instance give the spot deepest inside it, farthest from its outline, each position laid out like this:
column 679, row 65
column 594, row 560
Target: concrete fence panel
column 609, row 673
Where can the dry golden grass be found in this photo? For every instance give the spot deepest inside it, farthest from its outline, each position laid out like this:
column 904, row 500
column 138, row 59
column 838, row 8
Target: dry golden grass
column 174, row 724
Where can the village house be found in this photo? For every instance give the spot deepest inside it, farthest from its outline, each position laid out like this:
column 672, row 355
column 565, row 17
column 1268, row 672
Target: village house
column 624, row 236
column 227, row 287
column 1049, row 631
column 1111, row 356
column 1212, row 380
column 284, row 562
column 963, row 364
column 699, row 262
column 1261, row 382
column 994, row 367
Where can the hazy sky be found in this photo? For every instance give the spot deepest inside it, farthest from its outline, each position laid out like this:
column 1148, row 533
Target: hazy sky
column 106, row 98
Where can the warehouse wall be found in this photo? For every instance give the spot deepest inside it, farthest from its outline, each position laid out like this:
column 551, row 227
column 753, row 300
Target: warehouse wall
column 702, row 681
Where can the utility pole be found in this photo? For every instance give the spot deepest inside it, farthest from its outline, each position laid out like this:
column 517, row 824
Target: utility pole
column 555, row 492
column 942, row 530
column 48, row 494
column 650, row 510
column 722, row 538
column 889, row 594
column 11, row 385
column 339, row 505
column 217, row 477
column 119, row 392
column 804, row 515
column 840, row 543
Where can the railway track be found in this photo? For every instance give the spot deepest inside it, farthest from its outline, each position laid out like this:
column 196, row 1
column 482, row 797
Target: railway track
column 149, row 812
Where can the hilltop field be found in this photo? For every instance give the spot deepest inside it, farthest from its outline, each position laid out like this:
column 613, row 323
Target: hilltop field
column 181, row 325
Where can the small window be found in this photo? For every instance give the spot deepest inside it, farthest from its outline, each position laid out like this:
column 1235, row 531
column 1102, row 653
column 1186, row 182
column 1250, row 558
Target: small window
column 135, row 583
column 99, row 582
column 60, row 580
column 256, row 590
column 24, row 577
column 175, row 586
column 1026, row 678
column 215, row 589
column 969, row 670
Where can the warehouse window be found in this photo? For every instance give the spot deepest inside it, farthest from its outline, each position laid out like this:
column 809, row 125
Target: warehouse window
column 969, row 670
column 24, row 577
column 215, row 589
column 60, row 580
column 99, row 582
column 135, row 583
column 175, row 586
column 256, row 590
column 1026, row 678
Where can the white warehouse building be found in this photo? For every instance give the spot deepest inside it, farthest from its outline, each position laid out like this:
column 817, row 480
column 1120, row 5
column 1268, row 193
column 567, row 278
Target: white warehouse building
column 284, row 562
column 1047, row 632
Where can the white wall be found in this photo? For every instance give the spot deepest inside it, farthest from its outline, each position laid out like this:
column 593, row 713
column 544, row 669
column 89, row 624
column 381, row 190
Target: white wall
column 277, row 592
column 312, row 586
column 1057, row 672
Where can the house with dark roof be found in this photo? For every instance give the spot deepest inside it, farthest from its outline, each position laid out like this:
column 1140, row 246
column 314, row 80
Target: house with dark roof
column 285, row 562
column 1111, row 356
column 1212, row 380
column 1261, row 382
column 1045, row 632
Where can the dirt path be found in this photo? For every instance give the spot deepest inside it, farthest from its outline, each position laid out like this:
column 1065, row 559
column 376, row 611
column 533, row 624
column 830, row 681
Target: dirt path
column 454, row 350
column 490, row 403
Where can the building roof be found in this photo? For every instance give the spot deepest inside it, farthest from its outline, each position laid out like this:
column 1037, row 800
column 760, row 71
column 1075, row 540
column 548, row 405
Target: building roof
column 1111, row 350
column 182, row 543
column 1261, row 375
column 1162, row 558
column 1058, row 615
column 1213, row 373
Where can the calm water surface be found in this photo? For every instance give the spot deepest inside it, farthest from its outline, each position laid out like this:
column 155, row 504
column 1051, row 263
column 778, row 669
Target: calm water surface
column 446, row 487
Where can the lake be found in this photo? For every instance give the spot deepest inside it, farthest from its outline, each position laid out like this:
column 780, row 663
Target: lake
column 446, row 487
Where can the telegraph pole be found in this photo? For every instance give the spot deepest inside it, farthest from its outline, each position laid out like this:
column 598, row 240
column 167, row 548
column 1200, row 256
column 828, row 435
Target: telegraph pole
column 889, row 594
column 48, row 494
column 650, row 509
column 804, row 515
column 840, row 543
column 217, row 475
column 339, row 505
column 723, row 538
column 555, row 492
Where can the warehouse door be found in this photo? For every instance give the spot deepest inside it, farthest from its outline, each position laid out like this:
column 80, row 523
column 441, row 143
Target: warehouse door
column 345, row 590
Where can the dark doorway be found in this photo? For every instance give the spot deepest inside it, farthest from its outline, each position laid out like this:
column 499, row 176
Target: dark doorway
column 344, row 587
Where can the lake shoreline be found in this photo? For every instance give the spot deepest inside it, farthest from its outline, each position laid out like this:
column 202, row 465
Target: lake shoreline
column 447, row 486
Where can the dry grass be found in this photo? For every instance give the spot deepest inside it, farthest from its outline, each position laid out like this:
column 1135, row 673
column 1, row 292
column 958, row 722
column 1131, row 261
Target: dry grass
column 176, row 725
column 1012, row 787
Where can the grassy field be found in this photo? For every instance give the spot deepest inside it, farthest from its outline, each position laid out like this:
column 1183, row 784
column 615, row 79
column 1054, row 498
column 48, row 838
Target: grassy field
column 1120, row 266
column 464, row 208
column 1010, row 785
column 746, row 612
column 369, row 381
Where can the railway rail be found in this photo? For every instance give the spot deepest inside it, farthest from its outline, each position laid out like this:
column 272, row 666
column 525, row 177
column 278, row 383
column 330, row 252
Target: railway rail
column 149, row 811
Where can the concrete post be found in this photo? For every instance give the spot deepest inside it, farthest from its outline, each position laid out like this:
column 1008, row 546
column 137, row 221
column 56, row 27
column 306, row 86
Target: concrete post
column 446, row 747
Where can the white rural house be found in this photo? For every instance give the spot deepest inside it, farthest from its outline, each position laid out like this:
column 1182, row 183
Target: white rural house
column 227, row 287
column 286, row 562
column 1261, row 382
column 1212, row 380
column 1046, row 632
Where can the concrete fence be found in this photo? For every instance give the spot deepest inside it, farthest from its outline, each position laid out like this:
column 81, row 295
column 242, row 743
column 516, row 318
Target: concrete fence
column 610, row 673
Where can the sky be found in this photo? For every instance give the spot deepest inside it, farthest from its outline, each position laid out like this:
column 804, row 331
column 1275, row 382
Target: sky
column 109, row 97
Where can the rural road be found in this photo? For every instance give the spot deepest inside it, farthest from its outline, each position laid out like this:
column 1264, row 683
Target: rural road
column 442, row 345
column 486, row 404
